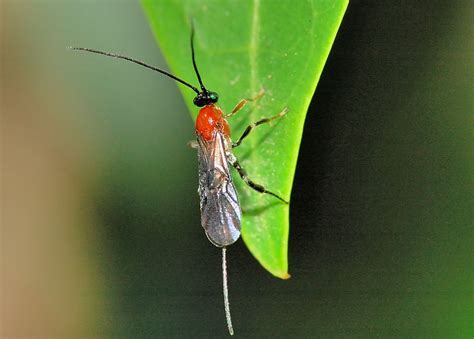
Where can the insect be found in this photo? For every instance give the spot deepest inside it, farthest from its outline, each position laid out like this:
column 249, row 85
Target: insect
column 219, row 203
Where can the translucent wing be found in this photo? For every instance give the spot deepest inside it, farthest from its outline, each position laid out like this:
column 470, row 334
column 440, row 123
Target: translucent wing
column 220, row 208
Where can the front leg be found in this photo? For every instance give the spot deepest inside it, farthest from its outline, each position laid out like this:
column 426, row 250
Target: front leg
column 244, row 102
column 193, row 144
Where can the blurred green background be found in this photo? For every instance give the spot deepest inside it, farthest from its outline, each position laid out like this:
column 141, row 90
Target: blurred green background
column 100, row 233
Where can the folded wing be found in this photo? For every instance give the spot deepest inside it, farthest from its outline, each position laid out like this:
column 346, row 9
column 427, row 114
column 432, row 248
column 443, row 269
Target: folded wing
column 220, row 208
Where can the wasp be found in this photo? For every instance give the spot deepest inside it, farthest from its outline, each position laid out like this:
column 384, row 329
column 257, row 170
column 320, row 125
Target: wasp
column 221, row 213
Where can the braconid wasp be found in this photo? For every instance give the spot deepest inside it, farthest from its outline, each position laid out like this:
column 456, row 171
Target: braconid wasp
column 219, row 203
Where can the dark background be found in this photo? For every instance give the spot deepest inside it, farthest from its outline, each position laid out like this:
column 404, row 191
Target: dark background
column 101, row 231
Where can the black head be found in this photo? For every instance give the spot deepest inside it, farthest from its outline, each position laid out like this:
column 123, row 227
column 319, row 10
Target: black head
column 205, row 98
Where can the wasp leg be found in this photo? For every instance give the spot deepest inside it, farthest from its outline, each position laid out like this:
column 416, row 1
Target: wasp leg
column 255, row 124
column 243, row 102
column 193, row 144
column 259, row 188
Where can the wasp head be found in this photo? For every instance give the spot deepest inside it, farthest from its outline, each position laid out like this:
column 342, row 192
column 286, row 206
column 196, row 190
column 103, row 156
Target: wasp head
column 205, row 98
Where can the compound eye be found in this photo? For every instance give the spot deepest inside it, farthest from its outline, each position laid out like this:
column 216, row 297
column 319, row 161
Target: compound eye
column 213, row 96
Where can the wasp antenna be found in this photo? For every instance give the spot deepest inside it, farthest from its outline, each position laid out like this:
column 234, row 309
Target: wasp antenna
column 226, row 292
column 194, row 57
column 138, row 62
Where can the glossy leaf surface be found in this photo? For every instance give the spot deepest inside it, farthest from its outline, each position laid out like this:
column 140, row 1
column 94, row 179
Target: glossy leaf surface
column 243, row 47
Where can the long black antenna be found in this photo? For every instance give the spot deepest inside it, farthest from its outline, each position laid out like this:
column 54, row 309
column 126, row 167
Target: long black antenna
column 141, row 63
column 194, row 58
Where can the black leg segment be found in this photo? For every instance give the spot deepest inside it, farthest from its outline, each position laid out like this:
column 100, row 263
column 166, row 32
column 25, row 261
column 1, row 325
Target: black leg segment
column 255, row 124
column 251, row 184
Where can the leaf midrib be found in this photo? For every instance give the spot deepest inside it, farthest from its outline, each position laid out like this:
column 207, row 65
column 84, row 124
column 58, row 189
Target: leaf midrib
column 253, row 46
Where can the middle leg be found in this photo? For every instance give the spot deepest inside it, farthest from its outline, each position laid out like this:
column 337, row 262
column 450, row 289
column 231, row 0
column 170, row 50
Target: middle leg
column 255, row 124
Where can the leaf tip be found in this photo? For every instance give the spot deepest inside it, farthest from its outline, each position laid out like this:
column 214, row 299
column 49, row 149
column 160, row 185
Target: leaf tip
column 282, row 275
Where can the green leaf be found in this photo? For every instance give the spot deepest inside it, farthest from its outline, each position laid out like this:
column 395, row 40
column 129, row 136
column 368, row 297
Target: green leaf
column 242, row 47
